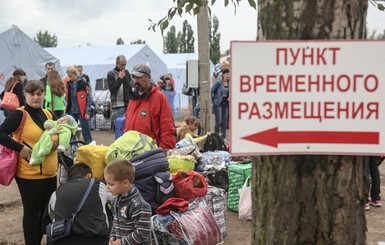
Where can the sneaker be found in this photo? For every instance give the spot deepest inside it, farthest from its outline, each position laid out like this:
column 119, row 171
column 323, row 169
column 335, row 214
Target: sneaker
column 367, row 206
column 376, row 203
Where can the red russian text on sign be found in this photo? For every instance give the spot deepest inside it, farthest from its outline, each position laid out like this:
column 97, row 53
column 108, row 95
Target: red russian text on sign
column 307, row 98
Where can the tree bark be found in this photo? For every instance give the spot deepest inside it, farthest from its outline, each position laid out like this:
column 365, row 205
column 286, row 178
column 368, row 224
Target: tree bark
column 310, row 199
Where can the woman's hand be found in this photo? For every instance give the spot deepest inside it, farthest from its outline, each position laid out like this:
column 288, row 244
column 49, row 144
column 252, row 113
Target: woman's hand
column 25, row 152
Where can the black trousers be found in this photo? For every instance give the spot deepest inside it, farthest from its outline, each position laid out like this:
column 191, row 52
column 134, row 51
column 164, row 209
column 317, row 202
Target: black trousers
column 375, row 181
column 35, row 195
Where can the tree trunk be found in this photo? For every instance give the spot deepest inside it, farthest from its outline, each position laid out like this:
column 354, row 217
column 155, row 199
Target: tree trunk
column 310, row 199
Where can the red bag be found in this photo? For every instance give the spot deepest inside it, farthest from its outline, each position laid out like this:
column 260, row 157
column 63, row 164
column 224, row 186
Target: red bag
column 196, row 226
column 10, row 100
column 172, row 204
column 189, row 185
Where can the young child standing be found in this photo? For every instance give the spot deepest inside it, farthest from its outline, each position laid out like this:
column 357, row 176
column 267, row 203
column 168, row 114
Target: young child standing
column 132, row 214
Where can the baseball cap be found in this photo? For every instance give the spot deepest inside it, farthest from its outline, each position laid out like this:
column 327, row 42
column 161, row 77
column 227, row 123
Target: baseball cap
column 141, row 70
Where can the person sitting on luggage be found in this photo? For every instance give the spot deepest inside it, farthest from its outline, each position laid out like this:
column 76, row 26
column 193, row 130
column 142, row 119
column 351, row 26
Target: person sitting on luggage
column 132, row 214
column 57, row 134
column 188, row 128
column 93, row 223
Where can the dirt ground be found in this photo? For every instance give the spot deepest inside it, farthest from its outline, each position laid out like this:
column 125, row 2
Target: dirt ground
column 238, row 232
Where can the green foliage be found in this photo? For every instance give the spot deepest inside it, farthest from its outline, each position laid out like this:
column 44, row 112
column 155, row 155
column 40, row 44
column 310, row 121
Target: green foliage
column 186, row 39
column 139, row 41
column 380, row 6
column 171, row 43
column 119, row 41
column 214, row 39
column 374, row 35
column 46, row 40
column 189, row 6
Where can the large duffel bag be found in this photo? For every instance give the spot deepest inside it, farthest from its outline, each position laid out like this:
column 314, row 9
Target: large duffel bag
column 238, row 173
column 195, row 226
column 93, row 156
column 215, row 199
column 152, row 177
column 130, row 144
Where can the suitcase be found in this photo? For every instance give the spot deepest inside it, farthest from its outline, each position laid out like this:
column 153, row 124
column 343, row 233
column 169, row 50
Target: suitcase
column 119, row 126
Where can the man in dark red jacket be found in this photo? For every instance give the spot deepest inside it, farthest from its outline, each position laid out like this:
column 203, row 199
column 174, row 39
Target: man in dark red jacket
column 149, row 111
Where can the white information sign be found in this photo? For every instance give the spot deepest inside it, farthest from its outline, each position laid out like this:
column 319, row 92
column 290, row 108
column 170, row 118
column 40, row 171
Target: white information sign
column 307, row 97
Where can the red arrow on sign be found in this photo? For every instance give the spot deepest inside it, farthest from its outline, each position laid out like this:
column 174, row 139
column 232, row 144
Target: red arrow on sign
column 273, row 137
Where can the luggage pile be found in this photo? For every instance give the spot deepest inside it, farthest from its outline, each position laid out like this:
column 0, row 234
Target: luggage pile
column 188, row 190
column 188, row 218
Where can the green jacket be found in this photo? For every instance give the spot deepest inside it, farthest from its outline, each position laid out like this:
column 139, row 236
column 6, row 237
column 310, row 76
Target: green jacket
column 59, row 102
column 58, row 137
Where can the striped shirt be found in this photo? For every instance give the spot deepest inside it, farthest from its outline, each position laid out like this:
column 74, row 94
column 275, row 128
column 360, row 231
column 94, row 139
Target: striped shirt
column 132, row 218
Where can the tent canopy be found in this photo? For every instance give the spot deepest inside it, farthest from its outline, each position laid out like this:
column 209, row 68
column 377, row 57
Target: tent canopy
column 17, row 50
column 20, row 51
column 97, row 61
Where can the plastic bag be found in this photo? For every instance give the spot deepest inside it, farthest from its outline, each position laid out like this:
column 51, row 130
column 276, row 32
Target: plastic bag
column 189, row 185
column 197, row 226
column 244, row 206
column 181, row 163
column 184, row 147
column 93, row 156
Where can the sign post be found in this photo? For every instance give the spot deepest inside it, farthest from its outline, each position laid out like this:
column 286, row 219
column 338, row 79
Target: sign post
column 307, row 97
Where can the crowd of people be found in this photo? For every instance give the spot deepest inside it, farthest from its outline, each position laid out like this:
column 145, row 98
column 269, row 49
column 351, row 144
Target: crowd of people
column 147, row 108
column 44, row 101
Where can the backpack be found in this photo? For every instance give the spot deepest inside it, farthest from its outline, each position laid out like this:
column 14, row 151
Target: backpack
column 152, row 177
column 219, row 179
column 214, row 142
column 130, row 144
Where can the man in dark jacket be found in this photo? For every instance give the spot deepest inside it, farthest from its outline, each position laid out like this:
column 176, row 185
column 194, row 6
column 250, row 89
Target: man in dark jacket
column 119, row 84
column 93, row 223
column 49, row 66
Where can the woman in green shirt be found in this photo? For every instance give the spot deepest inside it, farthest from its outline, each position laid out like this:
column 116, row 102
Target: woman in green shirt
column 55, row 94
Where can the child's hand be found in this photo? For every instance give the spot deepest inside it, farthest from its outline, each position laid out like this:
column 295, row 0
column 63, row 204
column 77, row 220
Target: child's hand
column 111, row 241
column 116, row 242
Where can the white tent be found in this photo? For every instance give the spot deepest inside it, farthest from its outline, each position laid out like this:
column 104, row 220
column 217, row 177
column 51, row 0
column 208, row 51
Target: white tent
column 17, row 50
column 176, row 65
column 97, row 61
column 20, row 51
